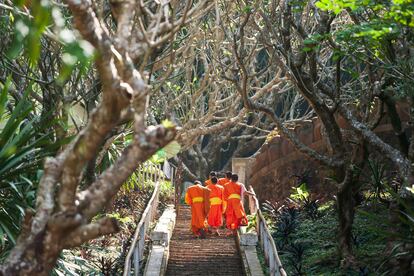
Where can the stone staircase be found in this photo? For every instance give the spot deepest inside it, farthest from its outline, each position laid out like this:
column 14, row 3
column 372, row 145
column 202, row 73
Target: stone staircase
column 211, row 256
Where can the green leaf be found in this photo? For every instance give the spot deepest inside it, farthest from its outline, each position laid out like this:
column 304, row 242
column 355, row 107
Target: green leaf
column 167, row 123
column 22, row 109
column 3, row 97
column 411, row 189
column 8, row 231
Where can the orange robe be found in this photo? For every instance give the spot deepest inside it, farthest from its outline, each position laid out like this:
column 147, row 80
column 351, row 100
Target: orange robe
column 223, row 181
column 234, row 211
column 215, row 215
column 197, row 197
column 207, row 182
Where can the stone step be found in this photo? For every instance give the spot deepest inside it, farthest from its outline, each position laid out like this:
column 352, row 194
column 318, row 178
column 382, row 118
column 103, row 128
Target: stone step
column 211, row 256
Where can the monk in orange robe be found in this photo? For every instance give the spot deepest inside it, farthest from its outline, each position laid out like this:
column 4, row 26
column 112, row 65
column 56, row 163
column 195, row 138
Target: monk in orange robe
column 215, row 215
column 208, row 181
column 224, row 180
column 198, row 197
column 233, row 194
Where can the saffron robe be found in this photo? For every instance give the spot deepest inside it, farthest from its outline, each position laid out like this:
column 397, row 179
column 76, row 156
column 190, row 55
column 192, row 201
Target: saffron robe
column 223, row 181
column 197, row 197
column 207, row 182
column 234, row 212
column 215, row 215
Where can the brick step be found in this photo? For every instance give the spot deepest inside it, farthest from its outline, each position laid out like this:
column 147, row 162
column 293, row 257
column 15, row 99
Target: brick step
column 215, row 255
column 222, row 255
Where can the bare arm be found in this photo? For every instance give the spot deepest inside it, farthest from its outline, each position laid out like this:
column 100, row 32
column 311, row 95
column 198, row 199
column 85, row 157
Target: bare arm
column 249, row 193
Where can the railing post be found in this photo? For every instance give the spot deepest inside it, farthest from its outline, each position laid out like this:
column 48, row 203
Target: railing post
column 150, row 172
column 265, row 239
column 136, row 261
column 266, row 246
column 136, row 250
column 142, row 241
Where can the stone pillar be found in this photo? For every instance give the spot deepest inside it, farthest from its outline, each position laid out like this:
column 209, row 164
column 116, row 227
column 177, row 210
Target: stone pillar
column 242, row 167
column 186, row 184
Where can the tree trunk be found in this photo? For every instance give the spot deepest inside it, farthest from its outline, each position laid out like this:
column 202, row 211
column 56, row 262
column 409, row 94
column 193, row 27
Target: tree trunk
column 346, row 212
column 29, row 261
column 36, row 252
column 346, row 202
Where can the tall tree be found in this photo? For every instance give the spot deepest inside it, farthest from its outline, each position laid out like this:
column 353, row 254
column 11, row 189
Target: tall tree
column 304, row 50
column 64, row 212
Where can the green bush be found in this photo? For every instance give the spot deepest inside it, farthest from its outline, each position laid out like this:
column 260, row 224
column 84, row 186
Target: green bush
column 25, row 140
column 166, row 190
column 311, row 249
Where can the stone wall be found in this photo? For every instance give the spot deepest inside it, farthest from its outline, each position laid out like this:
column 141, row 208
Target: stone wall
column 278, row 165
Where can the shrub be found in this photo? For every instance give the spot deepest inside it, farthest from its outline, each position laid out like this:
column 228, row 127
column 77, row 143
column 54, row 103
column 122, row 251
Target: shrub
column 301, row 197
column 25, row 140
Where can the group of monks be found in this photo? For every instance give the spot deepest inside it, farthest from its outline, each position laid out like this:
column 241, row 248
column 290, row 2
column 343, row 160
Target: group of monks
column 217, row 198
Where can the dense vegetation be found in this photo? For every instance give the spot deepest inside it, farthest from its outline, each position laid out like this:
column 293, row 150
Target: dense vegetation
column 306, row 232
column 90, row 90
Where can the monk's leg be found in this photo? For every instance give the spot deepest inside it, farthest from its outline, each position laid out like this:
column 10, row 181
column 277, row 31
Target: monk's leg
column 199, row 221
column 210, row 220
column 214, row 218
column 230, row 219
column 240, row 216
column 219, row 219
column 195, row 221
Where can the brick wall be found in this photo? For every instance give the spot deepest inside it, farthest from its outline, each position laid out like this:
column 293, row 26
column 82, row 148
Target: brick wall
column 274, row 169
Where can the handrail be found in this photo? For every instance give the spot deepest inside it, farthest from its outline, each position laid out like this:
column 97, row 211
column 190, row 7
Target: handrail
column 266, row 240
column 136, row 250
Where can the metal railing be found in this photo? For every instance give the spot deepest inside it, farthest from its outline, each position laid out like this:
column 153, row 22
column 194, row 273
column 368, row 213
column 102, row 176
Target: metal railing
column 265, row 238
column 150, row 172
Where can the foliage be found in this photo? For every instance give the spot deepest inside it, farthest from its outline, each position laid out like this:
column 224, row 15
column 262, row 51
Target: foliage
column 167, row 152
column 144, row 175
column 129, row 204
column 387, row 20
column 252, row 223
column 166, row 191
column 106, row 255
column 295, row 254
column 261, row 256
column 313, row 249
column 285, row 220
column 410, row 189
column 375, row 31
column 286, row 225
column 399, row 228
column 118, row 217
column 70, row 265
column 23, row 137
column 311, row 208
column 377, row 178
column 25, row 140
column 300, row 193
column 271, row 209
column 397, row 11
column 28, row 33
column 42, row 37
column 302, row 198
